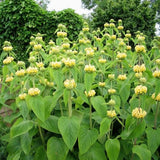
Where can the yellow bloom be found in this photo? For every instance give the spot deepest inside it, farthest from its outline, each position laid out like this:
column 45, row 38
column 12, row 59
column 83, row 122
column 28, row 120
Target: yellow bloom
column 111, row 102
column 140, row 49
column 20, row 73
column 32, row 70
column 128, row 47
column 121, row 43
column 20, row 63
column 106, row 25
column 122, row 77
column 69, row 62
column 65, row 45
column 156, row 74
column 70, row 84
column 140, row 89
column 111, row 91
column 22, row 96
column 157, row 98
column 54, row 50
column 55, row 65
column 50, row 84
column 113, row 37
column 158, row 61
column 111, row 113
column 85, row 29
column 8, row 60
column 142, row 79
column 128, row 35
column 8, row 49
column 89, row 68
column 138, row 75
column 61, row 34
column 101, row 84
column 32, row 59
column 102, row 61
column 111, row 76
column 37, row 47
column 121, row 56
column 9, row 79
column 120, row 27
column 33, row 91
column 90, row 93
column 138, row 113
column 112, row 25
column 40, row 64
column 89, row 52
column 139, row 68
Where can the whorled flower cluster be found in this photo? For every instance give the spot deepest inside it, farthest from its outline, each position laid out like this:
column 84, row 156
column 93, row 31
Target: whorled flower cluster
column 139, row 68
column 157, row 98
column 20, row 73
column 90, row 93
column 90, row 68
column 70, row 84
column 156, row 74
column 138, row 113
column 32, row 70
column 111, row 113
column 140, row 49
column 33, row 91
column 140, row 90
column 55, row 65
column 122, row 77
column 8, row 60
column 22, row 96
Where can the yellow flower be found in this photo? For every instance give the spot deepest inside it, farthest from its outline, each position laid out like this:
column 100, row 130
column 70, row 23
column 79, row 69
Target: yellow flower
column 22, row 96
column 20, row 63
column 61, row 34
column 101, row 84
column 157, row 98
column 156, row 74
column 158, row 61
column 8, row 49
column 50, row 84
column 138, row 75
column 121, row 43
column 70, row 84
column 128, row 35
column 111, row 76
column 142, row 79
column 138, row 113
column 122, row 77
column 120, row 27
column 111, row 91
column 140, row 49
column 90, row 93
column 9, row 79
column 106, row 25
column 85, row 29
column 8, row 60
column 89, row 52
column 102, row 61
column 65, row 45
column 111, row 102
column 139, row 68
column 33, row 91
column 113, row 37
column 32, row 70
column 39, row 38
column 40, row 64
column 128, row 47
column 111, row 113
column 37, row 47
column 121, row 56
column 112, row 25
column 32, row 59
column 89, row 68
column 20, row 73
column 55, row 65
column 32, row 43
column 140, row 89
column 54, row 50
column 69, row 62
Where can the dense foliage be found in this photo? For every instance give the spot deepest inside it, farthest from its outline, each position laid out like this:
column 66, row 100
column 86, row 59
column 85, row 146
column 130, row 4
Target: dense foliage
column 21, row 19
column 96, row 99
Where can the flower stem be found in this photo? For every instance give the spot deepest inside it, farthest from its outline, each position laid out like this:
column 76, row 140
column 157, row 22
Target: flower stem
column 60, row 105
column 156, row 115
column 41, row 135
column 90, row 114
column 70, row 104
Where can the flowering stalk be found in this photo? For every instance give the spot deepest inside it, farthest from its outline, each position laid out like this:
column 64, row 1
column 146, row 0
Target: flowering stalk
column 69, row 104
column 156, row 115
column 90, row 114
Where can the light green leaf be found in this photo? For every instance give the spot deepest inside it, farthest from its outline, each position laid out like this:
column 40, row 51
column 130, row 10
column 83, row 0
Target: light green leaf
column 66, row 96
column 153, row 139
column 99, row 105
column 105, row 126
column 96, row 152
column 58, row 78
column 69, row 128
column 142, row 152
column 21, row 128
column 157, row 86
column 56, row 149
column 40, row 154
column 113, row 148
column 86, row 138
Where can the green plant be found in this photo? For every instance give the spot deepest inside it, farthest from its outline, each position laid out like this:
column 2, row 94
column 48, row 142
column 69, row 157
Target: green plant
column 93, row 100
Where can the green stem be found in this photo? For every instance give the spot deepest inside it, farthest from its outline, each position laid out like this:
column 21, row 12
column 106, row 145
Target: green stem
column 70, row 104
column 41, row 135
column 120, row 122
column 90, row 115
column 60, row 105
column 156, row 115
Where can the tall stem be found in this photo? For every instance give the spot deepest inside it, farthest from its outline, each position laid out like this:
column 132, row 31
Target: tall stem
column 60, row 105
column 156, row 115
column 90, row 114
column 70, row 104
column 41, row 135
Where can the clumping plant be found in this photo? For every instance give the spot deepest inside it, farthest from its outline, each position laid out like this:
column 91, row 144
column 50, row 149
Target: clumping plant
column 96, row 98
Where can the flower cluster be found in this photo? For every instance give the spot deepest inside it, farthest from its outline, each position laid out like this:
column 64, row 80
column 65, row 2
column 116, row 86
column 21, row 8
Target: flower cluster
column 140, row 89
column 156, row 74
column 33, row 91
column 139, row 68
column 37, row 47
column 61, row 34
column 22, row 96
column 140, row 49
column 65, row 45
column 121, row 56
column 157, row 98
column 102, row 84
column 90, row 93
column 9, row 79
column 20, row 73
column 55, row 65
column 8, row 48
column 8, row 60
column 111, row 91
column 122, row 77
column 70, row 83
column 111, row 113
column 32, row 70
column 102, row 61
column 40, row 64
column 69, row 62
column 111, row 102
column 89, row 68
column 20, row 63
column 111, row 76
column 138, row 113
column 89, row 52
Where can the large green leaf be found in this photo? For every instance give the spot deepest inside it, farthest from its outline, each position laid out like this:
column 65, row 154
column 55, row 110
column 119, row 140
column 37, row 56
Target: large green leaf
column 105, row 126
column 96, row 152
column 40, row 154
column 66, row 95
column 26, row 141
column 69, row 128
column 21, row 128
column 142, row 152
column 51, row 124
column 58, row 77
column 86, row 138
column 157, row 88
column 99, row 105
column 88, row 80
column 37, row 104
column 153, row 139
column 113, row 148
column 56, row 149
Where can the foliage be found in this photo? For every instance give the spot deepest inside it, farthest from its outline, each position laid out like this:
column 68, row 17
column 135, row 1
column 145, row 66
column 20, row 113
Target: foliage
column 97, row 99
column 19, row 20
column 43, row 3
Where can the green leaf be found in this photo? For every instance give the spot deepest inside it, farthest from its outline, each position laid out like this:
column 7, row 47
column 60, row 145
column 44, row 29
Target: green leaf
column 37, row 104
column 40, row 154
column 51, row 124
column 157, row 87
column 88, row 80
column 113, row 148
column 105, row 126
column 26, row 141
column 56, row 149
column 21, row 128
column 66, row 94
column 16, row 155
column 86, row 138
column 99, row 105
column 96, row 152
column 142, row 152
column 153, row 139
column 69, row 128
column 58, row 77
column 11, row 117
